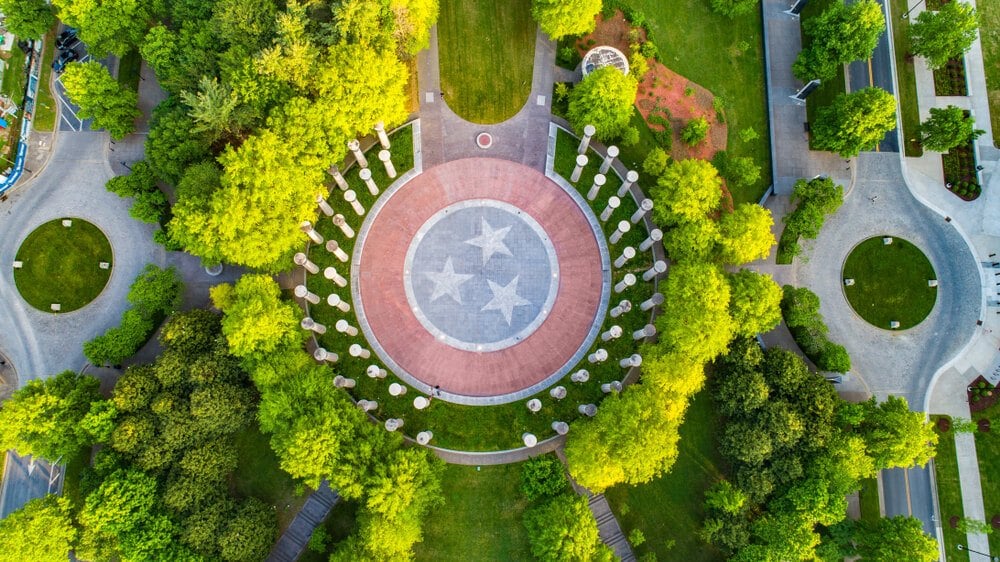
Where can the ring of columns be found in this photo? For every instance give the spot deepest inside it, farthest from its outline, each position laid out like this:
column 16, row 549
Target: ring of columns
column 483, row 273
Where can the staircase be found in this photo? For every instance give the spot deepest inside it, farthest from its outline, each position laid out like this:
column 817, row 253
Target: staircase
column 293, row 542
column 609, row 529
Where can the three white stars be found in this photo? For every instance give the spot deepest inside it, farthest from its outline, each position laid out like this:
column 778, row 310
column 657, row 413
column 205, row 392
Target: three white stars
column 448, row 282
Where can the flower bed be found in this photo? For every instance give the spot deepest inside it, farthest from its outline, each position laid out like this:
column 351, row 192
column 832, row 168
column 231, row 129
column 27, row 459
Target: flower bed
column 960, row 175
column 950, row 80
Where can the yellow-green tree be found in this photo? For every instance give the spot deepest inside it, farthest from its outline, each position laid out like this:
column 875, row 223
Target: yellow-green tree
column 688, row 190
column 745, row 234
column 41, row 531
column 559, row 18
column 101, row 97
column 755, row 302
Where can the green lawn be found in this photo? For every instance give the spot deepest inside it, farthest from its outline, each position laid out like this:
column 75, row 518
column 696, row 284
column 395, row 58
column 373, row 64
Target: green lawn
column 906, row 88
column 480, row 518
column 258, row 474
column 949, row 492
column 869, row 500
column 828, row 89
column 61, row 265
column 481, row 428
column 890, row 282
column 129, row 67
column 14, row 81
column 989, row 35
column 45, row 105
column 988, row 453
column 727, row 57
column 486, row 53
column 668, row 510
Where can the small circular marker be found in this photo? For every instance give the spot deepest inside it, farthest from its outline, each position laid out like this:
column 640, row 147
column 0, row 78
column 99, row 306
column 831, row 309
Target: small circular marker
column 484, row 140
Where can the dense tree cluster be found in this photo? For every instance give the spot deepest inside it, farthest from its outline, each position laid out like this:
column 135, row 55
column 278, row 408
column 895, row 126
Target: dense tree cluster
column 813, row 199
column 604, row 99
column 841, row 34
column 318, row 433
column 559, row 18
column 633, row 438
column 796, row 451
column 800, row 309
column 155, row 294
column 102, row 98
column 149, row 204
column 944, row 34
column 41, row 531
column 27, row 19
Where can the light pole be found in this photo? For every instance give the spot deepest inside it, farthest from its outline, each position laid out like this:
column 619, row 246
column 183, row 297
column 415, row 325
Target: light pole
column 907, row 14
column 963, row 547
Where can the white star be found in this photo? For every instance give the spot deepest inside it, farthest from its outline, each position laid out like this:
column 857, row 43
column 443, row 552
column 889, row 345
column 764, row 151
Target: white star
column 491, row 241
column 505, row 299
column 447, row 282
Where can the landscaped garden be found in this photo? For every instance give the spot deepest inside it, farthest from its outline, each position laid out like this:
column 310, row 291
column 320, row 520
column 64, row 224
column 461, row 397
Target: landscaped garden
column 961, row 175
column 61, row 264
column 891, row 282
column 486, row 54
column 909, row 112
column 828, row 90
column 951, row 80
column 988, row 454
column 949, row 490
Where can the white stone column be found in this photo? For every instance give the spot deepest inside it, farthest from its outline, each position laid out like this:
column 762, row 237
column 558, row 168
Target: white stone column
column 396, row 389
column 323, row 355
column 338, row 178
column 655, row 235
column 581, row 376
column 383, row 139
column 631, row 177
column 627, row 254
column 622, row 307
column 581, row 161
column 599, row 181
column 625, row 283
column 599, row 356
column 558, row 392
column 560, row 427
column 613, row 203
column 392, row 424
column 334, row 300
column 609, row 159
column 424, row 437
column 333, row 247
column 589, row 410
column 303, row 293
column 366, row 176
column 357, row 351
column 343, row 382
column 324, row 206
column 355, row 147
column 655, row 300
column 647, row 331
column 331, row 274
column 344, row 328
column 623, row 227
column 367, row 405
column 645, row 206
column 340, row 222
column 529, row 439
column 633, row 361
column 307, row 227
column 588, row 133
column 659, row 267
column 376, row 372
column 386, row 157
column 534, row 405
column 614, row 332
column 421, row 402
column 613, row 386
column 308, row 323
column 352, row 198
column 302, row 260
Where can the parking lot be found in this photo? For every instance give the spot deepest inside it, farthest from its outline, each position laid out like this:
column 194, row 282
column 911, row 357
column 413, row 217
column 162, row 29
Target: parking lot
column 68, row 118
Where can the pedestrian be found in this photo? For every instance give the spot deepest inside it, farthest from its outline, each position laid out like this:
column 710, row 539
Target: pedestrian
column 437, row 390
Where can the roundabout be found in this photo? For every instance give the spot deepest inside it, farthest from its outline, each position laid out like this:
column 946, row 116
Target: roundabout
column 890, row 283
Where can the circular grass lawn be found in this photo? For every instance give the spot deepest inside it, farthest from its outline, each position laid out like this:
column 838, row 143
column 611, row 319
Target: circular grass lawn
column 61, row 264
column 890, row 283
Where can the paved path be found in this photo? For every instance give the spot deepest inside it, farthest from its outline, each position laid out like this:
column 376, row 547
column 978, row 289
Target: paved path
column 295, row 539
column 608, row 528
column 877, row 72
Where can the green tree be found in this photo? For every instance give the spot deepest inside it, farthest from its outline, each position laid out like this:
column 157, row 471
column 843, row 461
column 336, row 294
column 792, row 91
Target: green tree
column 101, row 97
column 156, row 292
column 603, row 99
column 41, row 531
column 221, row 408
column 559, row 18
column 695, row 131
column 245, row 22
column 250, row 533
column 745, row 234
column 741, row 391
column 725, row 497
column 562, row 530
column 944, row 34
column 688, row 190
column 542, row 476
column 814, row 199
column 695, row 322
column 754, row 302
column 894, row 538
column 734, row 8
column 43, row 417
column 947, row 128
column 216, row 110
column 28, row 19
column 106, row 26
column 740, row 171
column 192, row 332
column 413, row 20
column 172, row 144
column 897, row 437
column 855, row 121
column 256, row 321
column 841, row 34
column 121, row 342
column 691, row 240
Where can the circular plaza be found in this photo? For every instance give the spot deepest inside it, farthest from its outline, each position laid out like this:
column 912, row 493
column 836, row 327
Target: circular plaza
column 480, row 281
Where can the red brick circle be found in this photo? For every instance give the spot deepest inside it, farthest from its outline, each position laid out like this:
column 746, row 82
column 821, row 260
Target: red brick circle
column 403, row 341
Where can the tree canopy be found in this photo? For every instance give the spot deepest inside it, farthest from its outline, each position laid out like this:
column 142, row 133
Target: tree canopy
column 563, row 530
column 947, row 128
column 855, row 121
column 99, row 96
column 559, row 18
column 106, row 26
column 42, row 531
column 604, row 99
column 944, row 34
column 841, row 34
column 745, row 234
column 28, row 19
column 689, row 189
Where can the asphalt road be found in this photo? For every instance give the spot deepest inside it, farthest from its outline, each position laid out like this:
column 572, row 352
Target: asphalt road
column 877, row 72
column 25, row 480
column 907, row 492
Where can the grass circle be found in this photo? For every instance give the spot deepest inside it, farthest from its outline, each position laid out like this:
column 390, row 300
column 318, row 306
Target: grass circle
column 61, row 264
column 890, row 282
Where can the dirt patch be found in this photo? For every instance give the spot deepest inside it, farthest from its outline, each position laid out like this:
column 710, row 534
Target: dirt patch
column 953, row 521
column 983, row 425
column 943, row 425
column 613, row 31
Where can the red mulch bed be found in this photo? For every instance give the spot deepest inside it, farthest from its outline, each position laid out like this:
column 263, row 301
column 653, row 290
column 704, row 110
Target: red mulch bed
column 984, row 401
column 983, row 425
column 995, row 521
column 943, row 425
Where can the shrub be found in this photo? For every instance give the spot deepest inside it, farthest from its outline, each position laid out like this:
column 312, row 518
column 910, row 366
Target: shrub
column 541, row 477
column 695, row 131
column 800, row 308
column 656, row 162
column 814, row 200
column 636, row 537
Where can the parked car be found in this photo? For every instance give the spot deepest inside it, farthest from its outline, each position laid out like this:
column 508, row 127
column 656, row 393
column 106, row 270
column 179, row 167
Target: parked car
column 68, row 35
column 63, row 59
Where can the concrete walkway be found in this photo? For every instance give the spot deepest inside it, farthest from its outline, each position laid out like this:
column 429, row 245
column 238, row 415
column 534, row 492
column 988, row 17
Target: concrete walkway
column 295, row 539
